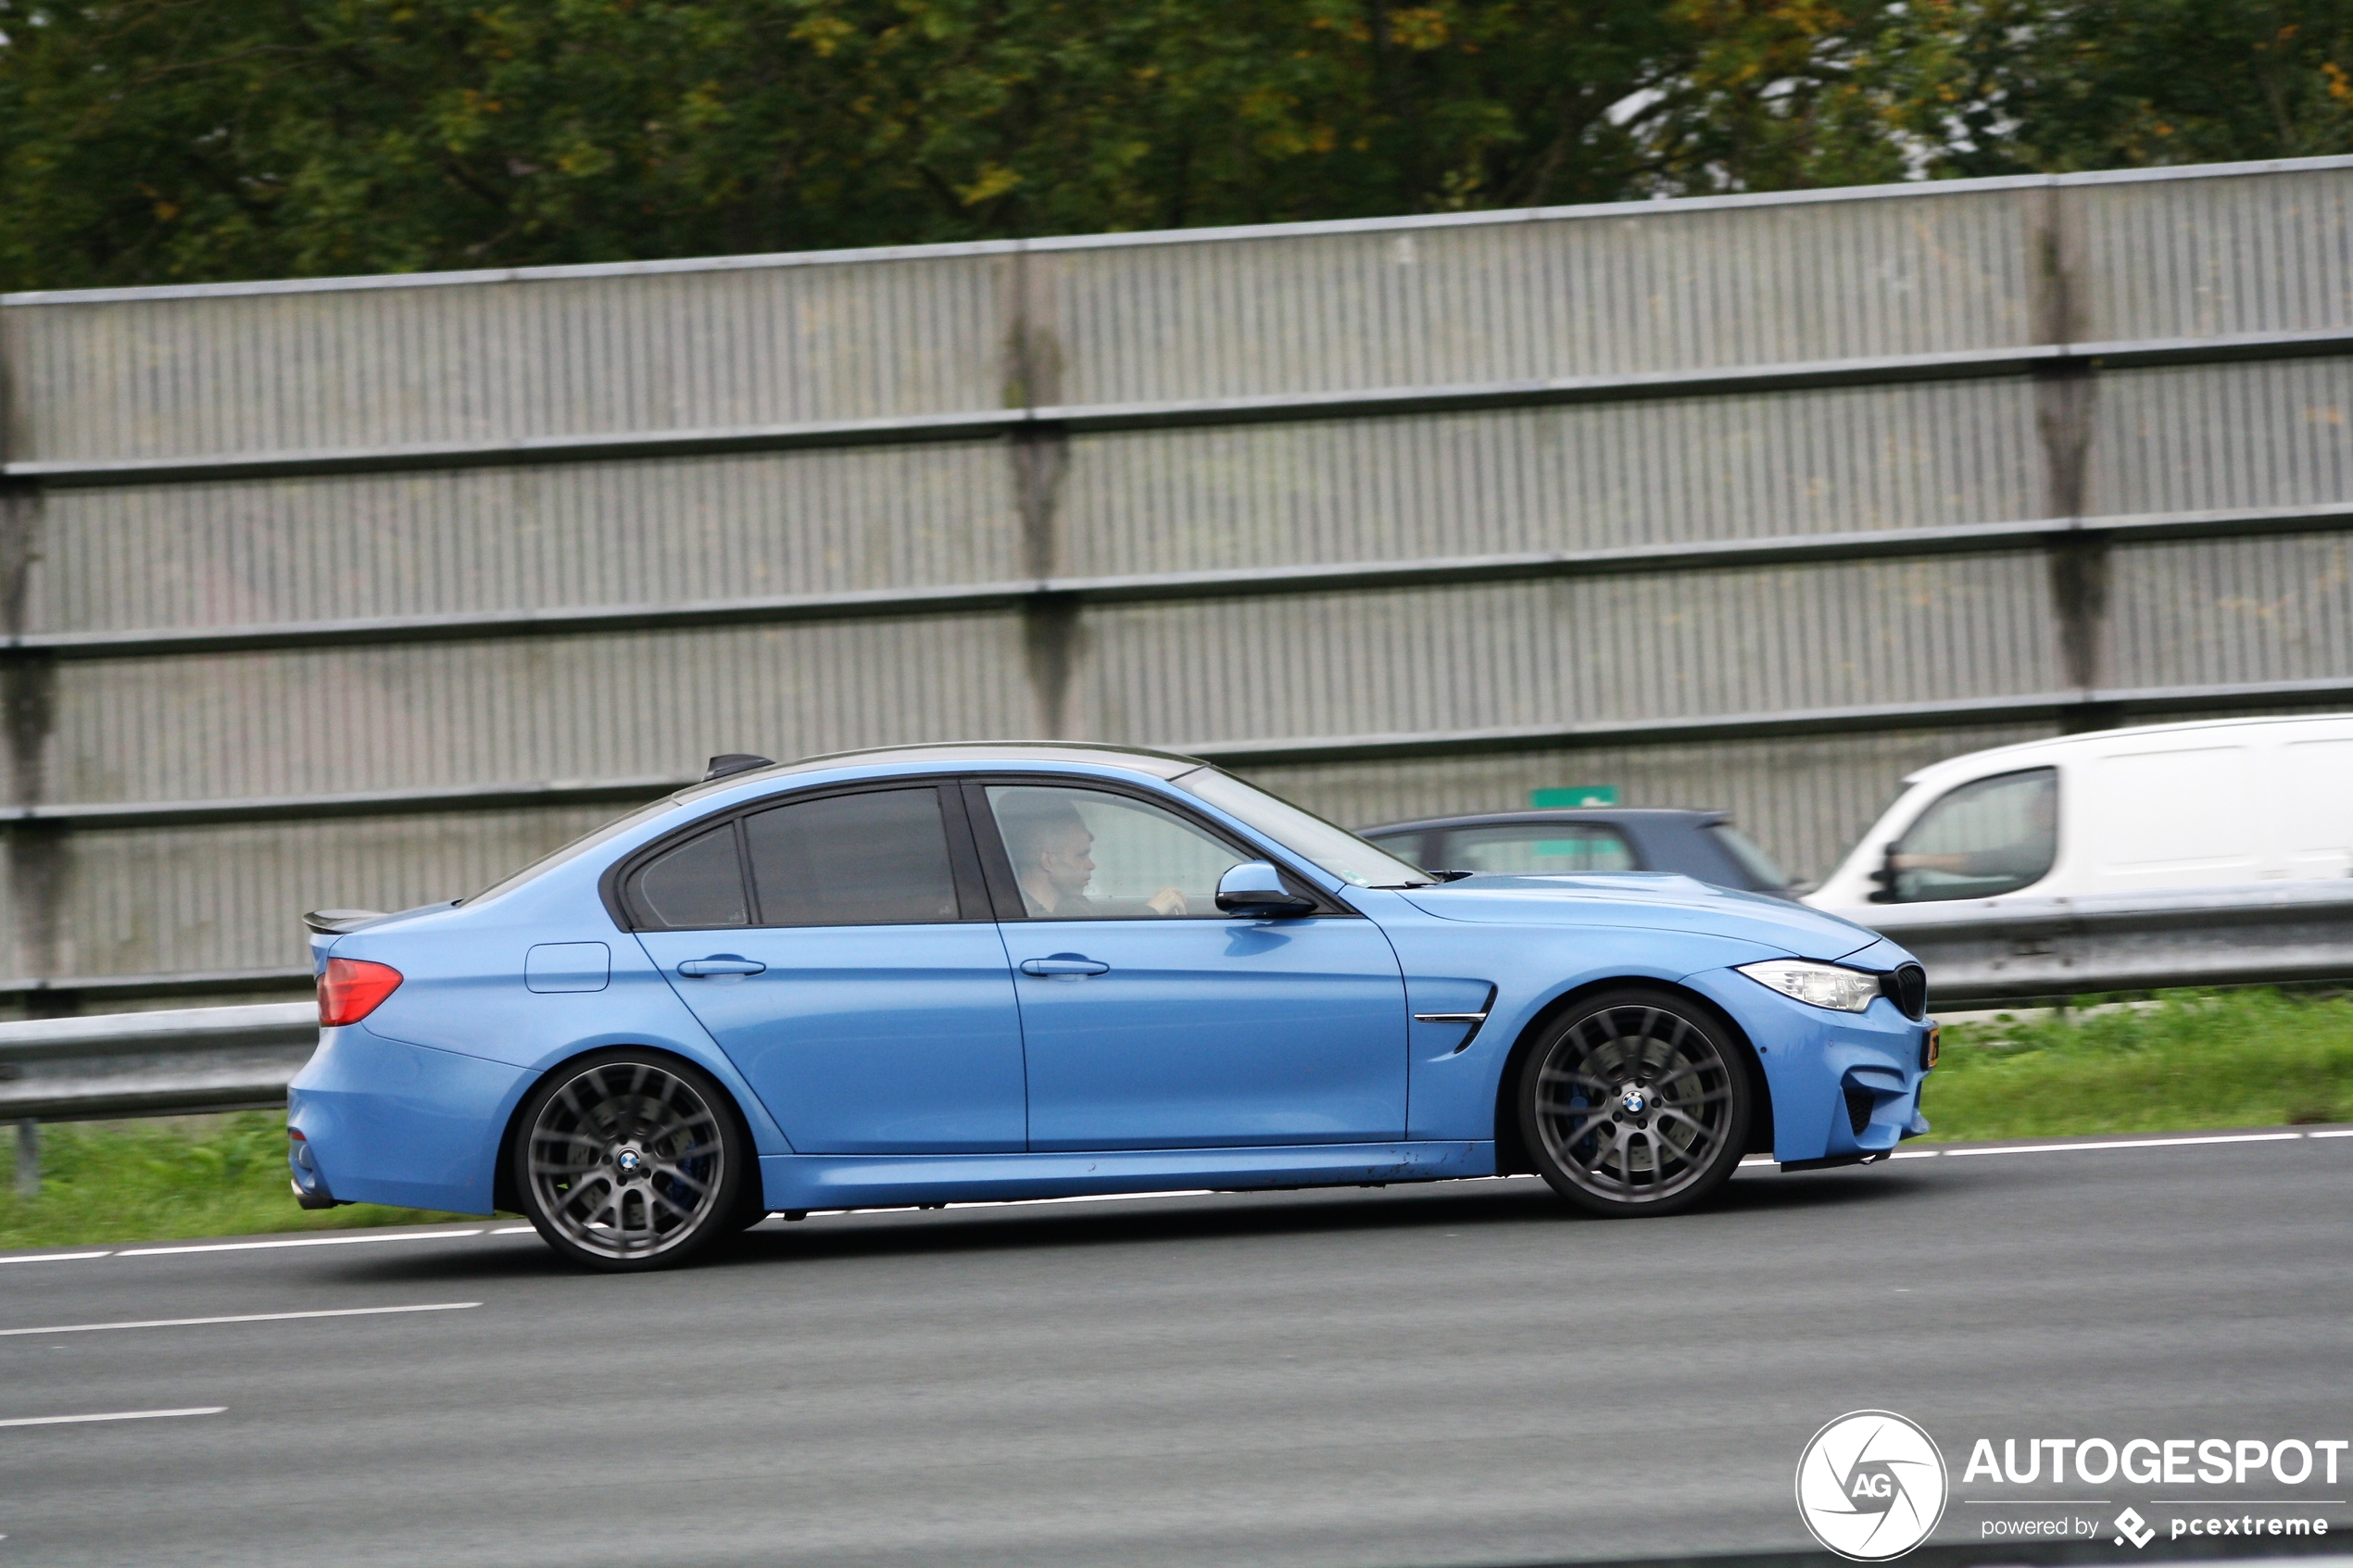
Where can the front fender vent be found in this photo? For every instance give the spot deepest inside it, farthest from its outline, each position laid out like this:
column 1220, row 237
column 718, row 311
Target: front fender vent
column 1907, row 988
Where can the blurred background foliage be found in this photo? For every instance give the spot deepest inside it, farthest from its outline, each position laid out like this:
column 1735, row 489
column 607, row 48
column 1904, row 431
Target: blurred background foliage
column 155, row 141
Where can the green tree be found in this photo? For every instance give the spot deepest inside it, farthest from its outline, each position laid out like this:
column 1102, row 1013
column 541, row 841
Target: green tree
column 146, row 141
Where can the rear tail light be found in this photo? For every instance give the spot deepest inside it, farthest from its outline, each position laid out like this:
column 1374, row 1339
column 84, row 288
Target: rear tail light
column 349, row 989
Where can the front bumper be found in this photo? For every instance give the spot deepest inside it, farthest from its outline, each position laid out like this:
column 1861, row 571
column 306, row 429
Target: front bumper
column 1845, row 1085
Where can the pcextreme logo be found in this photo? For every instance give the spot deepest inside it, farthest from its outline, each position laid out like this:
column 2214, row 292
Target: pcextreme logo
column 1871, row 1485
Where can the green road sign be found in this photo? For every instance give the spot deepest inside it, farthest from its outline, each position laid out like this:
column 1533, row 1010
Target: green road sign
column 1575, row 795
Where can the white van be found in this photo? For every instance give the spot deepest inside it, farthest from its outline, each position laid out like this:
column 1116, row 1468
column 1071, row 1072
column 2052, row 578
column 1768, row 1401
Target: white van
column 2229, row 800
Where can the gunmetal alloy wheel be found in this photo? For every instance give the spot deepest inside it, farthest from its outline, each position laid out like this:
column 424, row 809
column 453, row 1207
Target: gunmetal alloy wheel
column 1635, row 1103
column 631, row 1161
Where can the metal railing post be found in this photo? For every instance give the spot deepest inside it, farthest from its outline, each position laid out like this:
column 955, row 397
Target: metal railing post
column 28, row 1158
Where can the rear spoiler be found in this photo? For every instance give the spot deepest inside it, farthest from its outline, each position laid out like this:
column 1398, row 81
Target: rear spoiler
column 339, row 922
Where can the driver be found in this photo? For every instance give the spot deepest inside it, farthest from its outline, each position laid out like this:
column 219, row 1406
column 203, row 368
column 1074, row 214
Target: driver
column 2023, row 858
column 1054, row 861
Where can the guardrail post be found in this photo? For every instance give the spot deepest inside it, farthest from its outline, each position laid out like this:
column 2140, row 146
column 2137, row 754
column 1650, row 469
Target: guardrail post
column 27, row 1158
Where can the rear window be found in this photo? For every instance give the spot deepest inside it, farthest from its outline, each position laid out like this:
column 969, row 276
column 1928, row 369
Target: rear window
column 1538, row 848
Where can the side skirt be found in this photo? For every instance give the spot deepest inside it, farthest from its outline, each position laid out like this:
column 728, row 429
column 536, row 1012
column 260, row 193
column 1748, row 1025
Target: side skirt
column 875, row 1181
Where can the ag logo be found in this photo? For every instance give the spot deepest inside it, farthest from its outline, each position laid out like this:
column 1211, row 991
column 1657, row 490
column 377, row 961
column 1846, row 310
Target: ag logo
column 1871, row 1486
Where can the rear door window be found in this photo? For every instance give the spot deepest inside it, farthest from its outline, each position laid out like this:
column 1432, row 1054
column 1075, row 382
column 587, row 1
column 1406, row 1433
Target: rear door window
column 877, row 859
column 1539, row 847
column 1986, row 837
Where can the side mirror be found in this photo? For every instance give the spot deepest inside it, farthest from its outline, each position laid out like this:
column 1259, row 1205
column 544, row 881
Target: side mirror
column 1256, row 888
column 1886, row 892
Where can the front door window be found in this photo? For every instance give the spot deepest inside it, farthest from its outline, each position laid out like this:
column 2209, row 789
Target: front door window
column 1987, row 837
column 1086, row 854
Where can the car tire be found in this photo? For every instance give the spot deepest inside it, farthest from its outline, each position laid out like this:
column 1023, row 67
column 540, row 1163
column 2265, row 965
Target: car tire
column 1635, row 1102
column 631, row 1159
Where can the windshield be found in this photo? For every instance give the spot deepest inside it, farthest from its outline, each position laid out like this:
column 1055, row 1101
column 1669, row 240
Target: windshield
column 1335, row 848
column 580, row 845
column 1766, row 871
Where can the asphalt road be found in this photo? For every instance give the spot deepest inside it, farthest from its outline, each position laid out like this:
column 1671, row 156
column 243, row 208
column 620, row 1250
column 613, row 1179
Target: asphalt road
column 1444, row 1374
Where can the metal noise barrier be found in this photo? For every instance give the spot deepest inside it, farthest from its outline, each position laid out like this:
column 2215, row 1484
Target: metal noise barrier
column 1977, row 955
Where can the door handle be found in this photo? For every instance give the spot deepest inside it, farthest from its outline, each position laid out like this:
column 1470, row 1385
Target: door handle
column 1064, row 963
column 720, row 963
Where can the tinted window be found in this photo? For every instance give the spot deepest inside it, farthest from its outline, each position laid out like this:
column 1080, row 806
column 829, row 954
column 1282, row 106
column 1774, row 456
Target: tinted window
column 1994, row 835
column 853, row 859
column 1084, row 854
column 699, row 884
column 1538, row 847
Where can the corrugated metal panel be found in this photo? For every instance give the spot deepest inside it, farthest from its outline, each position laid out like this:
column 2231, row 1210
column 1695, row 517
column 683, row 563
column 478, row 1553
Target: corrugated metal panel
column 677, row 530
column 183, row 899
column 2200, row 257
column 2276, row 433
column 426, row 715
column 2214, row 611
column 1640, row 288
column 1538, row 479
column 1618, row 648
column 279, row 372
column 1805, row 800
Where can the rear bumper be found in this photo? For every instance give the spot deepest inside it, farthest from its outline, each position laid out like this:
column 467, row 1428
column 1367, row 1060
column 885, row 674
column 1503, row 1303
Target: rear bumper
column 383, row 1122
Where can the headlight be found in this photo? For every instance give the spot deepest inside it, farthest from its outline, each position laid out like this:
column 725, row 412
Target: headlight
column 1817, row 984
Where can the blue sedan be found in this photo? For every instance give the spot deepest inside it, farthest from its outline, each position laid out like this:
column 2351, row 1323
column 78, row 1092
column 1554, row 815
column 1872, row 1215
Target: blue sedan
column 975, row 972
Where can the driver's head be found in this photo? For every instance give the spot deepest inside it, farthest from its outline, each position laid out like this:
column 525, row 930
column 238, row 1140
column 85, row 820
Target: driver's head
column 1047, row 840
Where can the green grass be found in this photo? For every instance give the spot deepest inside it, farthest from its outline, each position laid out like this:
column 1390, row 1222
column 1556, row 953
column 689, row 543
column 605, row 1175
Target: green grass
column 2239, row 1058
column 2189, row 1060
column 157, row 1180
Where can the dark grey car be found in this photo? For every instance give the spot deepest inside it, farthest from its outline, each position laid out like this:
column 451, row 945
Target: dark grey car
column 1702, row 845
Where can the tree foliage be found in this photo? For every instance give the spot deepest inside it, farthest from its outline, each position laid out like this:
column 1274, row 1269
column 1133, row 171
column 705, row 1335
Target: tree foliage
column 146, row 140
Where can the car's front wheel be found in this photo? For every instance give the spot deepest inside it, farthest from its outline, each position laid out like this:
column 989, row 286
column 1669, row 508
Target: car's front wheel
column 1634, row 1102
column 632, row 1160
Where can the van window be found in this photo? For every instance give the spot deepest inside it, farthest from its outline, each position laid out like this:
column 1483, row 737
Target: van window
column 1988, row 836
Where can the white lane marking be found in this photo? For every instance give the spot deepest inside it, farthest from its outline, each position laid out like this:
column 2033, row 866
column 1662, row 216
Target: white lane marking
column 1103, row 1197
column 290, row 1241
column 2077, row 1148
column 2131, row 1143
column 246, row 1317
column 109, row 1416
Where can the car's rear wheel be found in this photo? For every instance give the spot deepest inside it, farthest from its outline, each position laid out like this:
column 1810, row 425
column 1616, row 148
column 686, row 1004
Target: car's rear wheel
column 1635, row 1102
column 632, row 1160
